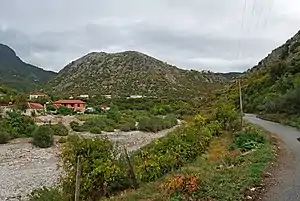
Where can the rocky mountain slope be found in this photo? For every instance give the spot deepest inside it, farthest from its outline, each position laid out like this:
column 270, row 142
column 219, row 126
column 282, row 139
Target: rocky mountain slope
column 19, row 75
column 130, row 73
column 273, row 85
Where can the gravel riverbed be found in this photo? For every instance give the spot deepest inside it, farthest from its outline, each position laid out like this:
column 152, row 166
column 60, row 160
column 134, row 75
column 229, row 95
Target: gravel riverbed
column 24, row 167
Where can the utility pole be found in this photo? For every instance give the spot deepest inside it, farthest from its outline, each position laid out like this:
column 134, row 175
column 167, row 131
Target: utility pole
column 78, row 175
column 241, row 103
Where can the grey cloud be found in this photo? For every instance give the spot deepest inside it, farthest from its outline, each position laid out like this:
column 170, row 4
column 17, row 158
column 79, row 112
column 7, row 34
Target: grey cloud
column 197, row 34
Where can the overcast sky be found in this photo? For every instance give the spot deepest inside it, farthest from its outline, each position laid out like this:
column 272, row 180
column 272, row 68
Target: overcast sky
column 191, row 34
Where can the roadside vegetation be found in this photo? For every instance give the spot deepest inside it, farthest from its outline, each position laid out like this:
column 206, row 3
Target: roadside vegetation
column 205, row 159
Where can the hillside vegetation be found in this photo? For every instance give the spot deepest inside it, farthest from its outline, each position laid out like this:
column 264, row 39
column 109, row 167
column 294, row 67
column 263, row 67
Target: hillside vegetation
column 131, row 73
column 16, row 74
column 273, row 85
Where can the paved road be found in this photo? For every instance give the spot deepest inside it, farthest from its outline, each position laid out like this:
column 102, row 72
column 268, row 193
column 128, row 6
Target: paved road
column 287, row 185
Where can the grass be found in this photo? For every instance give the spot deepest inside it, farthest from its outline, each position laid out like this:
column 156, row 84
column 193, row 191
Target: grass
column 290, row 120
column 223, row 173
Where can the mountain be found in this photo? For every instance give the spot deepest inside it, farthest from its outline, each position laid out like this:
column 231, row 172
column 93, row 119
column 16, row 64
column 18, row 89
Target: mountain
column 130, row 73
column 273, row 85
column 19, row 75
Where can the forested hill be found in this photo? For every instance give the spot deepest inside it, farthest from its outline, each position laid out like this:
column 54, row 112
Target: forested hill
column 273, row 86
column 16, row 74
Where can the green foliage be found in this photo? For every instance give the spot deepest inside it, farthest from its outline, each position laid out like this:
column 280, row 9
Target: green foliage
column 59, row 129
column 4, row 137
column 249, row 139
column 226, row 114
column 18, row 125
column 62, row 140
column 155, row 124
column 43, row 136
column 96, row 130
column 114, row 114
column 76, row 126
column 47, row 194
column 50, row 107
column 103, row 172
column 65, row 111
column 29, row 76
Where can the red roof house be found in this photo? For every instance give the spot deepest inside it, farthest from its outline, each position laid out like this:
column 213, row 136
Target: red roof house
column 35, row 106
column 77, row 105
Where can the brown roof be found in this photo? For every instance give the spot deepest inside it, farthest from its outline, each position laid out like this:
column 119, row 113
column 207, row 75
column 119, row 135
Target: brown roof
column 36, row 106
column 68, row 102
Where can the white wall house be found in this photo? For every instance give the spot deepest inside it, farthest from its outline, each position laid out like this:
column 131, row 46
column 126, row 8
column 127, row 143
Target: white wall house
column 36, row 95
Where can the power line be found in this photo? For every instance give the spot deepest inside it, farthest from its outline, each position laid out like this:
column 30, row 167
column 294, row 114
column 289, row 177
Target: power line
column 242, row 27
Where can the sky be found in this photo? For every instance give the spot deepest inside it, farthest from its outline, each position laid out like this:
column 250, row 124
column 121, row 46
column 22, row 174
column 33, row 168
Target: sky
column 216, row 35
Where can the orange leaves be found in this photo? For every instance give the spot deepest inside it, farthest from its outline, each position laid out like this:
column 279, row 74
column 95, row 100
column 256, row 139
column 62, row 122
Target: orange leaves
column 181, row 183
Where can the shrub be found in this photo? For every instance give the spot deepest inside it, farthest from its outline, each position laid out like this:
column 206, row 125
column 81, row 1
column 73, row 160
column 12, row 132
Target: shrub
column 59, row 129
column 18, row 125
column 96, row 130
column 103, row 169
column 62, row 140
column 76, row 126
column 65, row 111
column 4, row 137
column 47, row 194
column 128, row 127
column 109, row 129
column 249, row 139
column 43, row 136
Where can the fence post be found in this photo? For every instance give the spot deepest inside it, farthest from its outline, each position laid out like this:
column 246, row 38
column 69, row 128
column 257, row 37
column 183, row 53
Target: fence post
column 131, row 171
column 78, row 175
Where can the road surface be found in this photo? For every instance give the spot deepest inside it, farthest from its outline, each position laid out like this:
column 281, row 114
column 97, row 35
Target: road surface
column 286, row 186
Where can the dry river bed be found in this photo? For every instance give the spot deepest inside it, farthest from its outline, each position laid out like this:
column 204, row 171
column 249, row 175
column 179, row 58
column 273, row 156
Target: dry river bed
column 24, row 167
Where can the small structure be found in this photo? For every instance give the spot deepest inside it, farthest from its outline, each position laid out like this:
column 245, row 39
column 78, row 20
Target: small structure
column 135, row 96
column 33, row 108
column 84, row 96
column 36, row 95
column 104, row 107
column 77, row 105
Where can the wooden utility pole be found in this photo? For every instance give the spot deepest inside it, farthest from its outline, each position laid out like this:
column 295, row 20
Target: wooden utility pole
column 241, row 103
column 78, row 174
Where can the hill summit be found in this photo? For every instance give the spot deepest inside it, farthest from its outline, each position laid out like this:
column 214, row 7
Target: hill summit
column 128, row 73
column 19, row 75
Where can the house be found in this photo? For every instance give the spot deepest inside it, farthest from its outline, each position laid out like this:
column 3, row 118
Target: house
column 33, row 108
column 135, row 96
column 84, row 96
column 36, row 95
column 77, row 105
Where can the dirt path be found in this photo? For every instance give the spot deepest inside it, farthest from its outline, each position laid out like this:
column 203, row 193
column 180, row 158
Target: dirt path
column 285, row 184
column 24, row 167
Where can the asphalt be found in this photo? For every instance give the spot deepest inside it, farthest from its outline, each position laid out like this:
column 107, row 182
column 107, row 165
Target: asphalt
column 287, row 178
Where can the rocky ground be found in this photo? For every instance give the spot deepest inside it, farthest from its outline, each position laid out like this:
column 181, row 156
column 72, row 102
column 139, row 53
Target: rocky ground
column 24, row 167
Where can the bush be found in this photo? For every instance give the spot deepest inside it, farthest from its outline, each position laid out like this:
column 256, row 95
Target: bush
column 103, row 169
column 96, row 130
column 43, row 136
column 109, row 129
column 62, row 140
column 18, row 125
column 4, row 137
column 65, row 111
column 128, row 127
column 155, row 124
column 47, row 194
column 76, row 126
column 59, row 129
column 249, row 139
